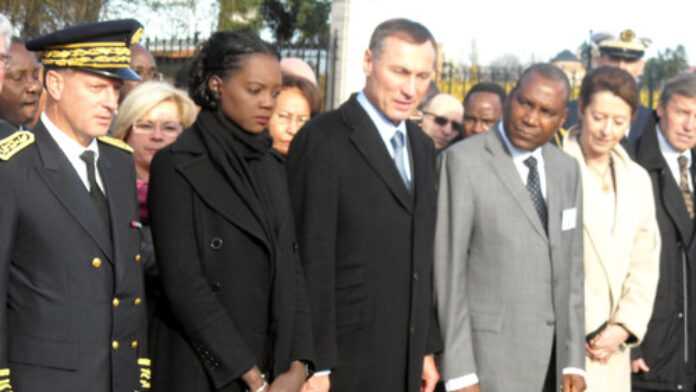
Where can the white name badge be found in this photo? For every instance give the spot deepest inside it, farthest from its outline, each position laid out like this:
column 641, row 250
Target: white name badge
column 570, row 218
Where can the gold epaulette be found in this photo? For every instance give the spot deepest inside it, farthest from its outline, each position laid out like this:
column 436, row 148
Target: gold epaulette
column 15, row 143
column 5, row 380
column 145, row 373
column 118, row 143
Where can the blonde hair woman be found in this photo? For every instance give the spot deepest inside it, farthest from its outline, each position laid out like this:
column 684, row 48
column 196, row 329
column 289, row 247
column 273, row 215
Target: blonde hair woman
column 151, row 118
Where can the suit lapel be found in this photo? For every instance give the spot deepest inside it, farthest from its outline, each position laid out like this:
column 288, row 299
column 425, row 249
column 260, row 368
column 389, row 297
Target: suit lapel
column 221, row 196
column 510, row 177
column 118, row 193
column 367, row 140
column 419, row 166
column 66, row 185
column 554, row 182
column 649, row 155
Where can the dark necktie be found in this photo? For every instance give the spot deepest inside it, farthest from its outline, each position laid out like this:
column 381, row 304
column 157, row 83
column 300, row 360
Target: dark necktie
column 534, row 188
column 684, row 185
column 95, row 193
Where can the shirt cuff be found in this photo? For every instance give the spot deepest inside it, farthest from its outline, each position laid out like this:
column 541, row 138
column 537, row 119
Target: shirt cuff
column 321, row 373
column 576, row 371
column 461, row 382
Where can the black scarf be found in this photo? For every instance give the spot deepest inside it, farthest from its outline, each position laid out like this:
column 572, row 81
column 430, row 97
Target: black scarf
column 230, row 148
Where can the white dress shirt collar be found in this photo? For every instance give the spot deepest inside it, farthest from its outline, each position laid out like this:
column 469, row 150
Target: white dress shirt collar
column 72, row 150
column 519, row 156
column 385, row 127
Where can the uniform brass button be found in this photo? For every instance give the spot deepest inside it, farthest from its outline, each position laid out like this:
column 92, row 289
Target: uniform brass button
column 138, row 258
column 114, row 345
column 134, row 344
column 96, row 262
column 138, row 301
column 116, row 302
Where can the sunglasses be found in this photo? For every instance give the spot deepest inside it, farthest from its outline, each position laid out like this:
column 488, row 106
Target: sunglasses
column 443, row 121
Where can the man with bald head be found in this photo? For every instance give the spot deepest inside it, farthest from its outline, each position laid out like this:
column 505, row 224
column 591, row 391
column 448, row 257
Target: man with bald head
column 442, row 119
column 144, row 64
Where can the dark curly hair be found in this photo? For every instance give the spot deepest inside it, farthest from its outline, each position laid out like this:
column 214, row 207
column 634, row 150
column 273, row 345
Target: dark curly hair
column 222, row 55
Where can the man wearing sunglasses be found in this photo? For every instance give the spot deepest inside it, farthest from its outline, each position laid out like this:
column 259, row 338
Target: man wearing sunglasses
column 442, row 120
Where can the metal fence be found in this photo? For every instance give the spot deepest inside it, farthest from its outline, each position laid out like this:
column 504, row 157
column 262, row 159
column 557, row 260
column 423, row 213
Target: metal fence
column 457, row 80
column 173, row 54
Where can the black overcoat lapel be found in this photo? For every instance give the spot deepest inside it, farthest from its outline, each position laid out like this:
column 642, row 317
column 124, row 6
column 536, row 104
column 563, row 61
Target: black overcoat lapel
column 367, row 140
column 217, row 191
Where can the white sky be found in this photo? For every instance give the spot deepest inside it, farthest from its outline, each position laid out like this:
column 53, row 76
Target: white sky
column 545, row 27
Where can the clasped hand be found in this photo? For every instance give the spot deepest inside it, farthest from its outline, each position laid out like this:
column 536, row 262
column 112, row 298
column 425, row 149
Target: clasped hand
column 606, row 343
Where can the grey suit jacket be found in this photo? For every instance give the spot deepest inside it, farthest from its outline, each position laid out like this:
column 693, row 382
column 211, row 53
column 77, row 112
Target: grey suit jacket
column 506, row 290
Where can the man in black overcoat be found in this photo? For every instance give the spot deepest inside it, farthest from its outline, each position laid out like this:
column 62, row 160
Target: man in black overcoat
column 363, row 191
column 665, row 360
column 72, row 316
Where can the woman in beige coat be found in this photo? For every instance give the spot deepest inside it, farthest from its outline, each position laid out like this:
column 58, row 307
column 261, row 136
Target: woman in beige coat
column 621, row 238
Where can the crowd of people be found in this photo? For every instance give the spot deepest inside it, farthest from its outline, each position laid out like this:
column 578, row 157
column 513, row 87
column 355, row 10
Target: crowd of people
column 230, row 236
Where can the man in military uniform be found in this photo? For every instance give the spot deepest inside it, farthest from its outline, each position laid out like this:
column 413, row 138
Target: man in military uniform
column 72, row 316
column 625, row 52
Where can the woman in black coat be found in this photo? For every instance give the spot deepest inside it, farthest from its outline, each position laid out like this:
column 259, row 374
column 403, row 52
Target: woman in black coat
column 237, row 317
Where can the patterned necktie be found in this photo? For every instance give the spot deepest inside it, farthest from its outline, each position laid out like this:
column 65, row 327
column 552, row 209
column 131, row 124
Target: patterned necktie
column 95, row 193
column 398, row 143
column 684, row 184
column 534, row 188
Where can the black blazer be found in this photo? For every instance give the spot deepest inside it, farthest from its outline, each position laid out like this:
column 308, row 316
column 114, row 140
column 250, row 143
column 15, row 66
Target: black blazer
column 72, row 316
column 367, row 246
column 669, row 346
column 229, row 305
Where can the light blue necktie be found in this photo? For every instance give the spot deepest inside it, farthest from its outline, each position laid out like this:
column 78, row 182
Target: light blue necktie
column 397, row 142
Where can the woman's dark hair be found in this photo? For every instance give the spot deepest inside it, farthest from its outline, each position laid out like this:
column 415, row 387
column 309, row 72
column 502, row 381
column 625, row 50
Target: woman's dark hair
column 221, row 55
column 307, row 88
column 614, row 80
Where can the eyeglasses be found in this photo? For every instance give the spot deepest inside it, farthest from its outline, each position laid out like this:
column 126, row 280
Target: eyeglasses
column 170, row 128
column 5, row 60
column 443, row 121
column 286, row 118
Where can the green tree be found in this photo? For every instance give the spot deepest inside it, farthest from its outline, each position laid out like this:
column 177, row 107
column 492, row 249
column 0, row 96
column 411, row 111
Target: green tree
column 32, row 18
column 236, row 14
column 297, row 21
column 667, row 64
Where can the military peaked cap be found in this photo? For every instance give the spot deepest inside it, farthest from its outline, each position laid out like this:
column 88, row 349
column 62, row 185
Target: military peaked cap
column 102, row 48
column 627, row 46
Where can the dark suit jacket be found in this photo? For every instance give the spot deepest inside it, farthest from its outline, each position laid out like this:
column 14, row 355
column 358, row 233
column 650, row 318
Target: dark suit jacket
column 61, row 274
column 669, row 347
column 229, row 304
column 367, row 247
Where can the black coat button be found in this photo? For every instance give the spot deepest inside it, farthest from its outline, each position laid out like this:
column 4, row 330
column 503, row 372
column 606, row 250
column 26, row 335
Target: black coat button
column 295, row 247
column 216, row 243
column 216, row 286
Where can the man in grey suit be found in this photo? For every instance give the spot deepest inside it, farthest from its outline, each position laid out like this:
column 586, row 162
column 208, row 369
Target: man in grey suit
column 508, row 250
